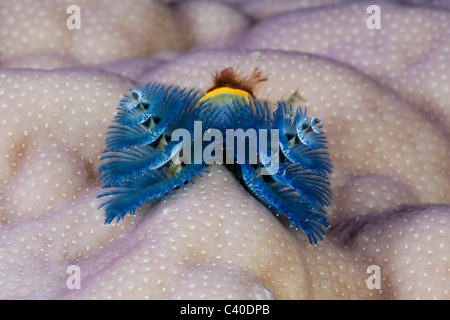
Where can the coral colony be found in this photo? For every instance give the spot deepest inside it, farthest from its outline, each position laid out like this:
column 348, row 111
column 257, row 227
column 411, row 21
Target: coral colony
column 164, row 135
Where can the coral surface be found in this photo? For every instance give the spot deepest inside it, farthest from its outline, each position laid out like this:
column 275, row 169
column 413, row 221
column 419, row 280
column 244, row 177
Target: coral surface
column 384, row 97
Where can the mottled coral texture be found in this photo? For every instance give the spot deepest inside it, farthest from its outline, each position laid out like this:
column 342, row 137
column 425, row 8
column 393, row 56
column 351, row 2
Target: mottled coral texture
column 384, row 97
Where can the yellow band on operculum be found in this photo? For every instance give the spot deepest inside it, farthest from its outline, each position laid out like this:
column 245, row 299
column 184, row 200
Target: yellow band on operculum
column 220, row 90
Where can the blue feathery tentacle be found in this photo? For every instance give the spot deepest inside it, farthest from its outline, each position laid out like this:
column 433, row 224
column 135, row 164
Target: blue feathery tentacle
column 193, row 110
column 317, row 161
column 139, row 152
column 170, row 100
column 142, row 104
column 286, row 201
column 250, row 114
column 149, row 185
column 309, row 130
column 128, row 162
column 130, row 102
column 315, row 189
column 221, row 117
column 298, row 186
column 301, row 145
column 121, row 137
column 130, row 117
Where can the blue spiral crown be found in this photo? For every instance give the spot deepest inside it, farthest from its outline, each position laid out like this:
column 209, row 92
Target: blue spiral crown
column 138, row 163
